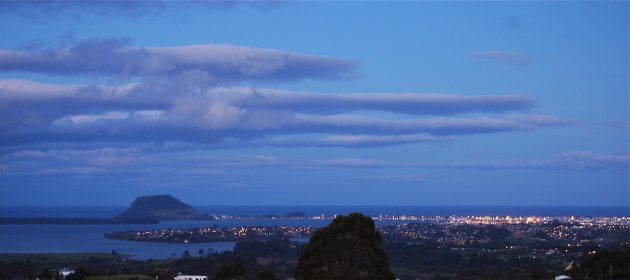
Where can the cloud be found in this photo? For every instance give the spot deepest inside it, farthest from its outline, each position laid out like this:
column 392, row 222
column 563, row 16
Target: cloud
column 88, row 119
column 136, row 161
column 508, row 57
column 590, row 160
column 407, row 103
column 576, row 160
column 28, row 105
column 76, row 10
column 399, row 178
column 357, row 124
column 185, row 91
column 353, row 163
column 181, row 96
column 112, row 57
column 202, row 163
column 317, row 140
column 221, row 123
column 539, row 120
column 362, row 140
column 272, row 161
column 70, row 161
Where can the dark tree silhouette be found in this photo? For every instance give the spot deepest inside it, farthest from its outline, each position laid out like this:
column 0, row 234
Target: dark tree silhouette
column 230, row 272
column 607, row 264
column 348, row 248
column 266, row 274
column 46, row 274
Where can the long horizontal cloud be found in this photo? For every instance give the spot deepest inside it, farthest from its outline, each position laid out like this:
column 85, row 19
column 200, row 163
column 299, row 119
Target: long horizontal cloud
column 133, row 160
column 112, row 56
column 142, row 126
column 408, row 103
column 503, row 56
column 225, row 122
column 575, row 160
column 435, row 126
column 26, row 91
column 64, row 161
column 334, row 140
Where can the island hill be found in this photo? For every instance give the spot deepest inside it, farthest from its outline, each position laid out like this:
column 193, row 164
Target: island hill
column 143, row 210
column 159, row 208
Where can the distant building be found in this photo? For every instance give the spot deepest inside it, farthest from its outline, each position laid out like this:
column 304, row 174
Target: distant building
column 562, row 277
column 65, row 272
column 190, row 277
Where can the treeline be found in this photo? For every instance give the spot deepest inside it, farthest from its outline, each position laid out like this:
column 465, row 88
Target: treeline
column 279, row 257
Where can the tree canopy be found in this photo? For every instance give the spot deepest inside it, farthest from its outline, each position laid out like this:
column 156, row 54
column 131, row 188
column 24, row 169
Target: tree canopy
column 230, row 272
column 266, row 274
column 348, row 248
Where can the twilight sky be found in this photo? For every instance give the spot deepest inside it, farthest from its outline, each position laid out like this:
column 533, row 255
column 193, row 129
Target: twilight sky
column 315, row 103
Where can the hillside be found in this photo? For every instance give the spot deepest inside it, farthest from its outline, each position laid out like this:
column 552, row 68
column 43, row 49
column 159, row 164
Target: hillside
column 159, row 208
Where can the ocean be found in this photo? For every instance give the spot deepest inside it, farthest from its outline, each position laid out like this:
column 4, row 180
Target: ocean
column 90, row 238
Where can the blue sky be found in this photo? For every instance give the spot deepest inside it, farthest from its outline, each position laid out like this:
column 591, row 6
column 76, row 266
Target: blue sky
column 315, row 103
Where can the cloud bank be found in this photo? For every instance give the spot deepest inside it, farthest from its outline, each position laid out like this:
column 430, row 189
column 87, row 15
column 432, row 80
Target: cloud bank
column 179, row 111
column 222, row 62
column 120, row 160
column 191, row 95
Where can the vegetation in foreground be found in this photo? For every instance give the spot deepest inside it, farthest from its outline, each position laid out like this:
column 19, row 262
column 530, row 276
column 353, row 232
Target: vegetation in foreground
column 348, row 248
